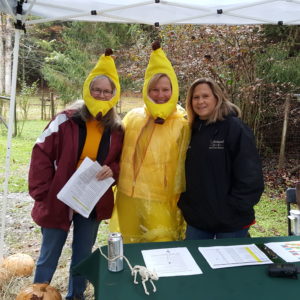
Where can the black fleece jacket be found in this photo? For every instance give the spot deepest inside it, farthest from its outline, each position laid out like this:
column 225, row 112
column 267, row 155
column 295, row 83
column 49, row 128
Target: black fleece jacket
column 223, row 176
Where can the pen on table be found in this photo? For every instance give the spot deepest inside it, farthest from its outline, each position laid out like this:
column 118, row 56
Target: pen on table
column 270, row 252
column 169, row 256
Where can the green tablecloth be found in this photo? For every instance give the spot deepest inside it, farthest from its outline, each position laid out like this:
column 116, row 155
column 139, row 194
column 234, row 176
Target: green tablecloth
column 247, row 282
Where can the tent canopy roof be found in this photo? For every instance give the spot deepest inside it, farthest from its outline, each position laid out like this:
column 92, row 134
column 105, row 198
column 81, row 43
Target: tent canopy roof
column 160, row 12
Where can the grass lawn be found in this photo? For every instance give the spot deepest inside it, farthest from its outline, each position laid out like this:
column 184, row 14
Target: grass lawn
column 271, row 216
column 20, row 155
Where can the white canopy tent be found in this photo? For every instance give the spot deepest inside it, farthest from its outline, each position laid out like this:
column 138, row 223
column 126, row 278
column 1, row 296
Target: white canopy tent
column 152, row 12
column 160, row 11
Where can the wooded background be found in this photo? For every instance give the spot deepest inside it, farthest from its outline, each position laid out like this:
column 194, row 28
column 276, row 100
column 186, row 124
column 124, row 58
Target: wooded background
column 258, row 66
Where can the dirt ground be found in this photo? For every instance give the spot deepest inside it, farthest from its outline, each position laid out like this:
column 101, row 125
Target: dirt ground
column 22, row 235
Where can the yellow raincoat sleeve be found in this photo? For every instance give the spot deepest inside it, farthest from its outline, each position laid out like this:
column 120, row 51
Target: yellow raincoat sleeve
column 183, row 142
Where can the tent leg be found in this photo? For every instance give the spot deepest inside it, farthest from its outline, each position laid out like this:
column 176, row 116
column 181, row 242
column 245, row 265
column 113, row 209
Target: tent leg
column 9, row 135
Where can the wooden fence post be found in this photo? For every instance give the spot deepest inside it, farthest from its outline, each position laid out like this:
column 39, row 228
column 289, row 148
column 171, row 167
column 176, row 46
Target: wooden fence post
column 52, row 105
column 284, row 130
column 42, row 107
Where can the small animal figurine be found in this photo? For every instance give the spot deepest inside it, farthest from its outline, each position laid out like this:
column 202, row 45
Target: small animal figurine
column 146, row 275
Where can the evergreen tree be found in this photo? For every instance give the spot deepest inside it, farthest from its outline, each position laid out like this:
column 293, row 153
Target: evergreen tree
column 72, row 58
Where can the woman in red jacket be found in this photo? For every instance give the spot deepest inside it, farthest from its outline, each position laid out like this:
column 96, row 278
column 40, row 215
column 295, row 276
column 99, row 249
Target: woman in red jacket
column 90, row 129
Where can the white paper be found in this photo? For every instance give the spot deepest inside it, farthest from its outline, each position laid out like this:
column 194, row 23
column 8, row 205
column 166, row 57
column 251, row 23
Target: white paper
column 289, row 251
column 83, row 190
column 171, row 262
column 234, row 256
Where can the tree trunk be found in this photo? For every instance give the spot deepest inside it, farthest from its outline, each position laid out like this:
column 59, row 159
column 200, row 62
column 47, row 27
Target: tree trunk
column 284, row 130
column 1, row 54
column 8, row 55
column 42, row 99
column 52, row 105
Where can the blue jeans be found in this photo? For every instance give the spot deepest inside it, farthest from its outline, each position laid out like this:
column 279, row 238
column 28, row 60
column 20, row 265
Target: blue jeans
column 193, row 233
column 84, row 236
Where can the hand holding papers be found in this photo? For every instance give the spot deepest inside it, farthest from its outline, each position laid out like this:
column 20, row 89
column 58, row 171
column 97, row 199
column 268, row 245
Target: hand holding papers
column 234, row 256
column 83, row 190
column 171, row 262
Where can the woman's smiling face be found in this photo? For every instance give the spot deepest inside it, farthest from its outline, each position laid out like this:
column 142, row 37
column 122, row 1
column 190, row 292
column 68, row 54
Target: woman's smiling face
column 101, row 89
column 161, row 92
column 203, row 101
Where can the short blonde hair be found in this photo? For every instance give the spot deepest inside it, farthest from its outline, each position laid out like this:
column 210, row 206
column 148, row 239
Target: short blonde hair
column 153, row 81
column 223, row 108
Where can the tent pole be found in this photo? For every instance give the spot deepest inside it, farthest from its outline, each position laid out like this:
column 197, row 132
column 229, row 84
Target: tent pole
column 9, row 134
column 10, row 10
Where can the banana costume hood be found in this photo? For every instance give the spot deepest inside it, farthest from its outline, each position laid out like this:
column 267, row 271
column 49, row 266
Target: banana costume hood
column 159, row 63
column 105, row 66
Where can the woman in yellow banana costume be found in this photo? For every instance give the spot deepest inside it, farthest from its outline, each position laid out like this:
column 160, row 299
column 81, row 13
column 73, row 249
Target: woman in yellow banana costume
column 152, row 162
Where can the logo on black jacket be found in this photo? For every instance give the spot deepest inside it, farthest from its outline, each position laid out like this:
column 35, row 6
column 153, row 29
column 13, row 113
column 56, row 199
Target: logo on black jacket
column 216, row 145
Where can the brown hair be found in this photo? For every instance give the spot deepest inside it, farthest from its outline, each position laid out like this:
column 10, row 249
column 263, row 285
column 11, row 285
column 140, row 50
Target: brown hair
column 223, row 107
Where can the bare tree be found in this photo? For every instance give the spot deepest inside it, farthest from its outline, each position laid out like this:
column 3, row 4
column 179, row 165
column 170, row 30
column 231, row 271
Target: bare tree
column 8, row 54
column 284, row 132
column 1, row 54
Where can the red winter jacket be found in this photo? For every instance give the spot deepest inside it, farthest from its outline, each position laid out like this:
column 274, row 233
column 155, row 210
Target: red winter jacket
column 54, row 160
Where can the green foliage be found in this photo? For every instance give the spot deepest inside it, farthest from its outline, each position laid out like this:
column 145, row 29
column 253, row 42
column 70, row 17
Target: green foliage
column 271, row 216
column 20, row 155
column 23, row 101
column 256, row 65
column 279, row 62
column 34, row 47
column 275, row 65
column 278, row 34
column 68, row 65
column 65, row 74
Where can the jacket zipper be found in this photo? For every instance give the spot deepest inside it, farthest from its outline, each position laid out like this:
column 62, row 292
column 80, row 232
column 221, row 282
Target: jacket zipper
column 200, row 126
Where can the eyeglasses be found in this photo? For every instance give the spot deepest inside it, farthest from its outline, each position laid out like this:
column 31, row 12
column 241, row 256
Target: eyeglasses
column 104, row 92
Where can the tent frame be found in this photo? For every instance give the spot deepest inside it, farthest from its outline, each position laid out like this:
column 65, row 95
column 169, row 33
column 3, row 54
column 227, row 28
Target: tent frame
column 19, row 27
column 20, row 22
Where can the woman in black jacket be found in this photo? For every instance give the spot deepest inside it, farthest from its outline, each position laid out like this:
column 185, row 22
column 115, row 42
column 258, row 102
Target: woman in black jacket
column 223, row 171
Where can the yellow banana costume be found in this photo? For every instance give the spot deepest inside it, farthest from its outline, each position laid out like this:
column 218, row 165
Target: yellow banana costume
column 152, row 166
column 105, row 66
column 159, row 64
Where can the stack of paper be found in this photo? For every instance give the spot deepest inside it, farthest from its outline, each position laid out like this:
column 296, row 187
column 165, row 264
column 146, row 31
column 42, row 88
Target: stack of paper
column 83, row 190
column 171, row 262
column 289, row 251
column 234, row 256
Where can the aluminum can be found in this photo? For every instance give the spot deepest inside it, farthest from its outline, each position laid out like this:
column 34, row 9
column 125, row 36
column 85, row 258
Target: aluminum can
column 115, row 249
